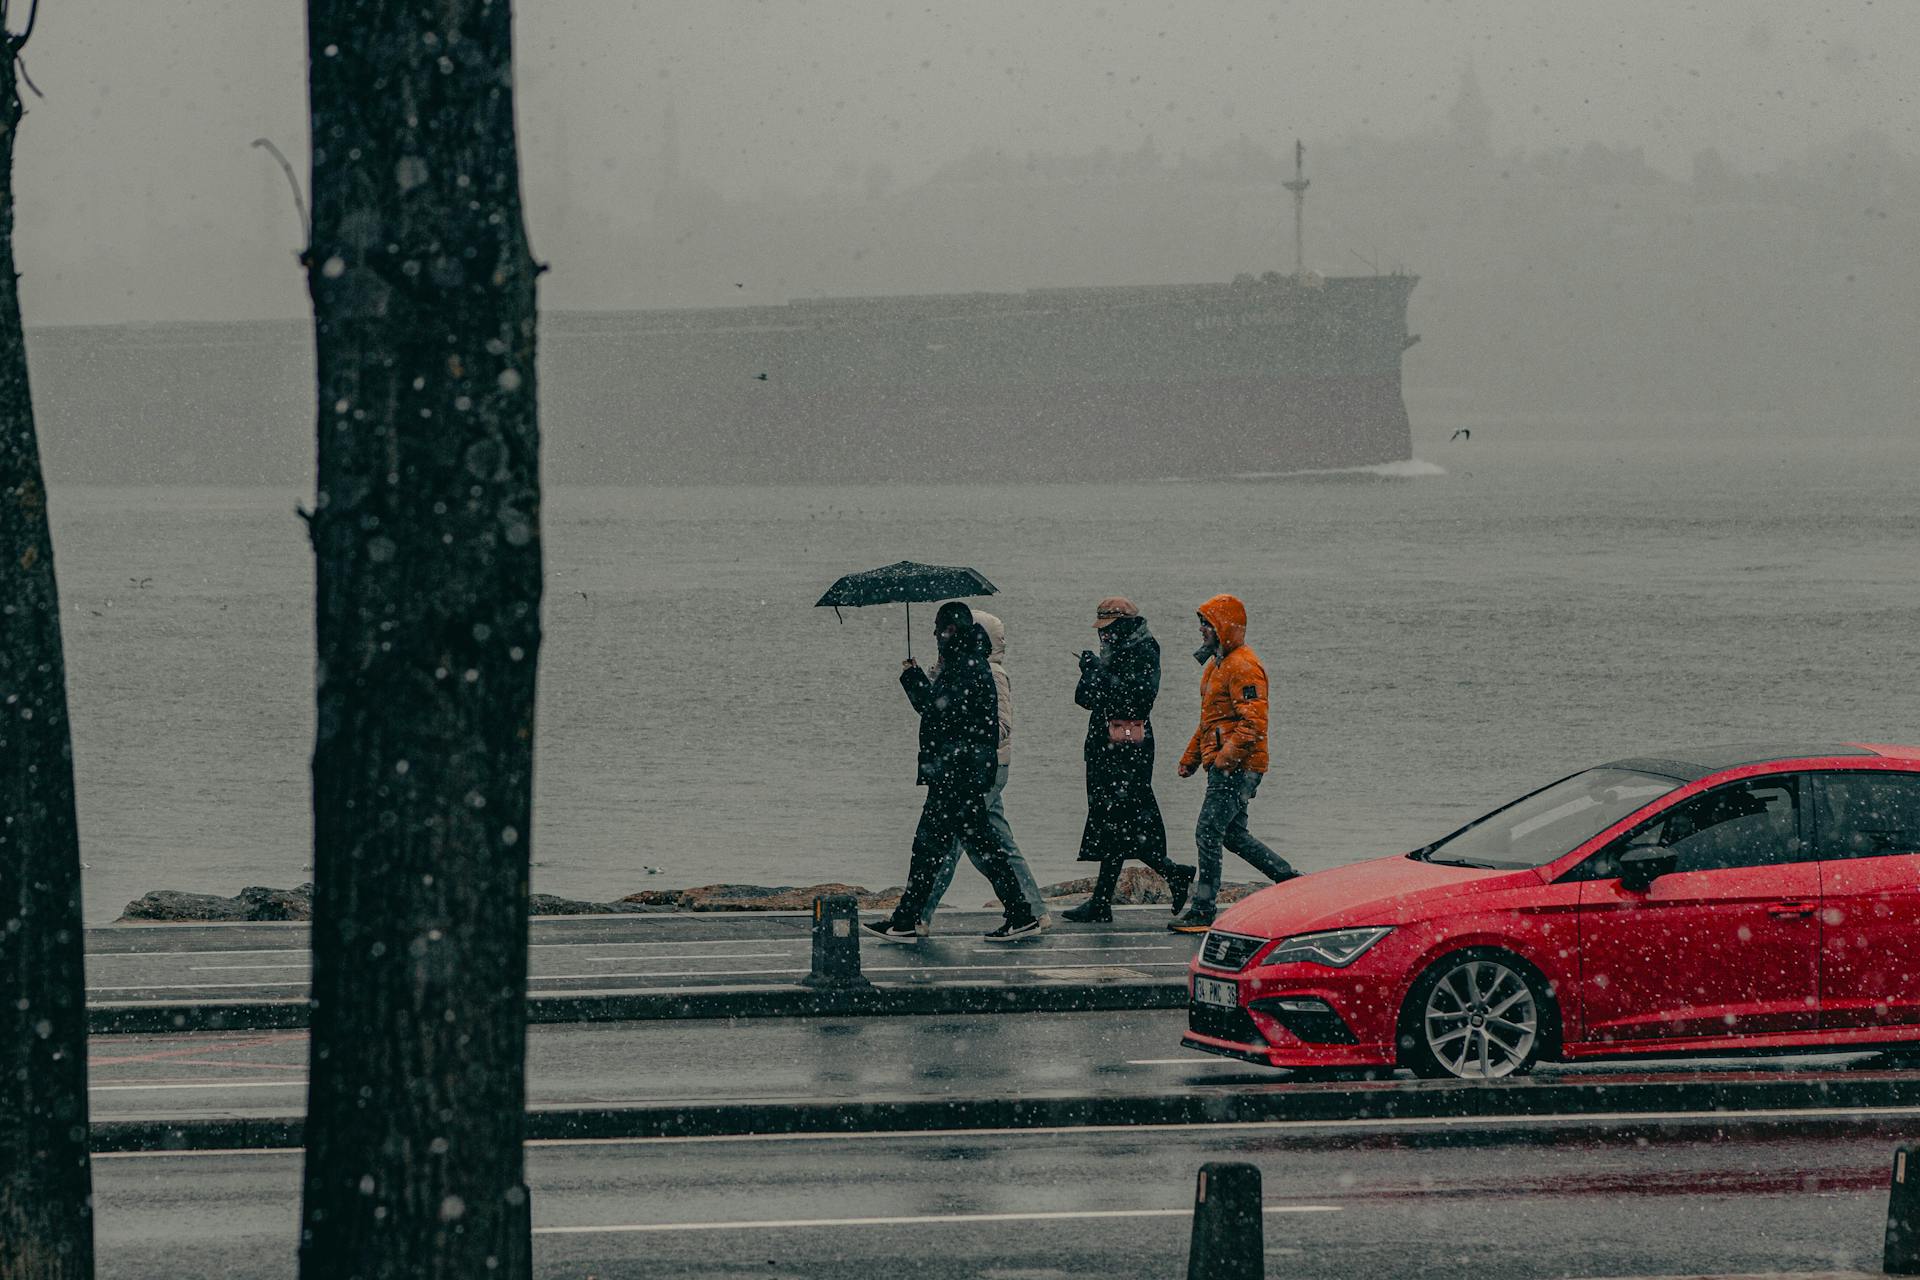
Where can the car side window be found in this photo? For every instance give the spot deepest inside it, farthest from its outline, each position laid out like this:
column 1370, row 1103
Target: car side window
column 1748, row 824
column 1867, row 814
column 1755, row 823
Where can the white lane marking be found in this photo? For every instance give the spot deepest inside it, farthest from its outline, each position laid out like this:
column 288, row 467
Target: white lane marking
column 796, row 942
column 301, row 951
column 1050, row 948
column 211, row 1151
column 745, row 955
column 799, row 940
column 301, row 1083
column 685, row 973
column 1255, row 1126
column 198, row 987
column 149, row 956
column 898, row 968
column 914, row 1220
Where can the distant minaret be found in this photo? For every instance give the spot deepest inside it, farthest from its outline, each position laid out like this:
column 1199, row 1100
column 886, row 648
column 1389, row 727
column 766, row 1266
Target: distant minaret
column 1299, row 188
column 1470, row 116
column 667, row 161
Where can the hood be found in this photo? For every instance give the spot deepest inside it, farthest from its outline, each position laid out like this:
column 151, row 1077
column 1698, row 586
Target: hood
column 1228, row 618
column 1394, row 890
column 996, row 635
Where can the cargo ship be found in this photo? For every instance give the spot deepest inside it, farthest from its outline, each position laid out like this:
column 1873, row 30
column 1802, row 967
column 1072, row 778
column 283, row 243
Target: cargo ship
column 1263, row 374
column 1259, row 375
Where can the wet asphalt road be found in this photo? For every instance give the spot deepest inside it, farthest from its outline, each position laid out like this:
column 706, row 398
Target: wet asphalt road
column 708, row 1060
column 1086, row 1203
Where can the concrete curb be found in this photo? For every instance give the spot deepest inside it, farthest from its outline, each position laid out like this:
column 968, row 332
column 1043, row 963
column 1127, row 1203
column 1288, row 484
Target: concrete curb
column 944, row 998
column 1617, row 1108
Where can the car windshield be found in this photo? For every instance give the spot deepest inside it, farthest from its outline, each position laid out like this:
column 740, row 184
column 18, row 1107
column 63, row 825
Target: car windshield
column 1538, row 828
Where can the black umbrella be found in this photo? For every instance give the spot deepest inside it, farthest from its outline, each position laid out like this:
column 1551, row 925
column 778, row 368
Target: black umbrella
column 905, row 583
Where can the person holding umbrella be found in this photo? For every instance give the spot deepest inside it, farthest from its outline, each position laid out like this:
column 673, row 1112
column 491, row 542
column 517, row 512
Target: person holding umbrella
column 959, row 758
column 1117, row 687
column 996, row 808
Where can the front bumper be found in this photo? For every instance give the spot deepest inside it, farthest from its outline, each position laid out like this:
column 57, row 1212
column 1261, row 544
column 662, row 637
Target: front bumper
column 1298, row 1016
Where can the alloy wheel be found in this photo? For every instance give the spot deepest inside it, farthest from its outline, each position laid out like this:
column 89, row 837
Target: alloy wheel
column 1481, row 1021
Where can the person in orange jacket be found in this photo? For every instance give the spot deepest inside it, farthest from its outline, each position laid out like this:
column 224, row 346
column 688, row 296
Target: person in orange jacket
column 1231, row 745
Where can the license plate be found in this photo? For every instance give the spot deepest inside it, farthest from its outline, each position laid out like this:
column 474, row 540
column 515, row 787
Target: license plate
column 1225, row 995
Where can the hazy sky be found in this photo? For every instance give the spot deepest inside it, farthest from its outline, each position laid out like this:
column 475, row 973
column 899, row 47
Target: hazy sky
column 150, row 104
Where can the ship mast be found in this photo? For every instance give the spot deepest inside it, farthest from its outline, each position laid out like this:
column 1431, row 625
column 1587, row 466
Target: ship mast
column 1299, row 188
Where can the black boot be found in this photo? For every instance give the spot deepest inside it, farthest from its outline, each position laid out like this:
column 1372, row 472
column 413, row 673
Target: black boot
column 1180, row 884
column 1098, row 908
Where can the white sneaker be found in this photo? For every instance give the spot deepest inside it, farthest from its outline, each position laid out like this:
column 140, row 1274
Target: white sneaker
column 1015, row 932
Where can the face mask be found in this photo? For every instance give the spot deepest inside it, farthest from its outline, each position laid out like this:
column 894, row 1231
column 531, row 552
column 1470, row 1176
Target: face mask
column 1206, row 650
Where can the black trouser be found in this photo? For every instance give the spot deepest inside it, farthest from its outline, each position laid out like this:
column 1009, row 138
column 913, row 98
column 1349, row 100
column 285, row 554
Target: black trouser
column 954, row 813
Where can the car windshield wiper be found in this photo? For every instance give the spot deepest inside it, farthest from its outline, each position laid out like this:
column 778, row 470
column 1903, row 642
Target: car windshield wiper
column 1461, row 862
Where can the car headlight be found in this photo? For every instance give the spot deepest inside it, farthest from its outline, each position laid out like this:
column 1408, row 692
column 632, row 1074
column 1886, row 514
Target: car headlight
column 1337, row 948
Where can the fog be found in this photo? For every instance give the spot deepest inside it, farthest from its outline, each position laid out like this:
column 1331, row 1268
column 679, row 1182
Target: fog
column 140, row 198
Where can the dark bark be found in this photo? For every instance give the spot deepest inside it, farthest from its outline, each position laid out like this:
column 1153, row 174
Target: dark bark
column 426, row 534
column 46, row 1180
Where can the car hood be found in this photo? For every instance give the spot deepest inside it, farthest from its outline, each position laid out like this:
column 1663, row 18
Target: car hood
column 1394, row 890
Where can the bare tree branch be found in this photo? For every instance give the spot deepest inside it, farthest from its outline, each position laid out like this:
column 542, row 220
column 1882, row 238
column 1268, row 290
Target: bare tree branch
column 19, row 42
column 299, row 204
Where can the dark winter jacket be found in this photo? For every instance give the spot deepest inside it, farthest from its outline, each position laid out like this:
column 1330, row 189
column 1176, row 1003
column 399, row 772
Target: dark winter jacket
column 959, row 715
column 1122, row 683
column 1123, row 816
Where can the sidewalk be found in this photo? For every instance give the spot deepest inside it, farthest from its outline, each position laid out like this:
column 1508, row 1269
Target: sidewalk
column 158, row 977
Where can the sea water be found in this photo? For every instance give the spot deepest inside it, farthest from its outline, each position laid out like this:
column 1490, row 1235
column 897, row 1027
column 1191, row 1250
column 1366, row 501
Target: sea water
column 1439, row 636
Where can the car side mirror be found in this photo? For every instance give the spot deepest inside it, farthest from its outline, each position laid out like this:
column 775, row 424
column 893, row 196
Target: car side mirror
column 1639, row 868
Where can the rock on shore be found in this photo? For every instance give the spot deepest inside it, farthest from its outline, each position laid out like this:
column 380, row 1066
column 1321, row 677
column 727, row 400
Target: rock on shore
column 1137, row 885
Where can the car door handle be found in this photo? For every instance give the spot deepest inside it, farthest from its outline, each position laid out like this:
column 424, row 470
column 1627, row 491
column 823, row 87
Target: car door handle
column 1791, row 910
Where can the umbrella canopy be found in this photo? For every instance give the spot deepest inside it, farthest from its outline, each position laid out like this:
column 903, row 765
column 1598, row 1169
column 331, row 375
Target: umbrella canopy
column 905, row 583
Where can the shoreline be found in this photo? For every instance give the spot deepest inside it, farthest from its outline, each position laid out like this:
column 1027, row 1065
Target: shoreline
column 260, row 904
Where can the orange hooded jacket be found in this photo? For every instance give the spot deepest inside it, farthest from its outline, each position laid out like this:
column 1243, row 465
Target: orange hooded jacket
column 1233, row 697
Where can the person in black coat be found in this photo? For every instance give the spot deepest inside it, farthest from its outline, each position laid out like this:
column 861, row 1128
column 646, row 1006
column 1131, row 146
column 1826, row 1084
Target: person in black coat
column 959, row 757
column 1117, row 687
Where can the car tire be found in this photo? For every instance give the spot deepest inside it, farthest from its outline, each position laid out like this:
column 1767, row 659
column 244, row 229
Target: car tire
column 1481, row 1014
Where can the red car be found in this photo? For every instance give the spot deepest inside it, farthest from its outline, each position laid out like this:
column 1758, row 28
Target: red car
column 1719, row 901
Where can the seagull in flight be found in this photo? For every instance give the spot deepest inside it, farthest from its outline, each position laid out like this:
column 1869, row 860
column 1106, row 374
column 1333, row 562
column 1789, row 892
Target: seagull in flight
column 1462, row 433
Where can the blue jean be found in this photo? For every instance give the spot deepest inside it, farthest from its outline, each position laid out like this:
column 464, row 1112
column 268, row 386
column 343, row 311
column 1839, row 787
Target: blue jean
column 1003, row 833
column 1223, row 821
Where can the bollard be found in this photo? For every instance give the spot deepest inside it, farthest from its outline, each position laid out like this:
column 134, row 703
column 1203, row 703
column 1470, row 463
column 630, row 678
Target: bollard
column 1902, row 1255
column 836, row 944
column 1229, row 1235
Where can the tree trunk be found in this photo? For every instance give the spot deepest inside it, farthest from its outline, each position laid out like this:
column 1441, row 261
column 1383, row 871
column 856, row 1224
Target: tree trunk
column 46, row 1180
column 426, row 534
